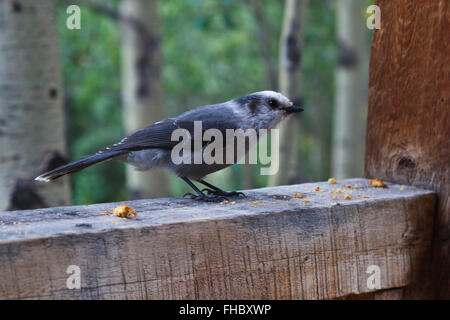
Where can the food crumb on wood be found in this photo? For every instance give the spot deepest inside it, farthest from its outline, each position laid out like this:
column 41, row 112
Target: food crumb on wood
column 114, row 222
column 298, row 196
column 123, row 211
column 316, row 188
column 306, row 201
column 377, row 183
column 355, row 186
column 335, row 198
column 366, row 197
column 349, row 186
column 332, row 181
column 347, row 197
column 402, row 189
column 228, row 202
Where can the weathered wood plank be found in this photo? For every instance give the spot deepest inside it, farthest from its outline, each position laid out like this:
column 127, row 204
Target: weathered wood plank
column 408, row 124
column 178, row 248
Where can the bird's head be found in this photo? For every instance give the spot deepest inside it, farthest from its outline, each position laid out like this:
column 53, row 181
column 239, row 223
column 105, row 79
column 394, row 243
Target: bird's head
column 266, row 108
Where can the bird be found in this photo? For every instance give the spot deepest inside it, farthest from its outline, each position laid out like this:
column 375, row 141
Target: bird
column 152, row 146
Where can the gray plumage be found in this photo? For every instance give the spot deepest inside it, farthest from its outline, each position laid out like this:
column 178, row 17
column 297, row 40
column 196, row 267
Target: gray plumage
column 152, row 146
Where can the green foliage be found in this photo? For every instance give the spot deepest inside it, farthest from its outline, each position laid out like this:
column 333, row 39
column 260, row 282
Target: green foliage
column 91, row 69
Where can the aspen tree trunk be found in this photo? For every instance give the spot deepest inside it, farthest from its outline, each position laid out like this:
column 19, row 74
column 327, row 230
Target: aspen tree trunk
column 351, row 91
column 289, row 84
column 142, row 86
column 32, row 130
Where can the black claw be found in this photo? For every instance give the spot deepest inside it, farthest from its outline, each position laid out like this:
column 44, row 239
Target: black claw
column 192, row 196
column 225, row 193
column 208, row 191
column 213, row 194
column 237, row 193
column 210, row 198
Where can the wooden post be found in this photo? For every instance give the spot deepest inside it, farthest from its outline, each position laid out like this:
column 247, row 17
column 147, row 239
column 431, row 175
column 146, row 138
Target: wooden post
column 408, row 128
column 271, row 245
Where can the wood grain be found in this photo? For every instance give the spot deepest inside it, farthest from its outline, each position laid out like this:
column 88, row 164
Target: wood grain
column 408, row 128
column 181, row 249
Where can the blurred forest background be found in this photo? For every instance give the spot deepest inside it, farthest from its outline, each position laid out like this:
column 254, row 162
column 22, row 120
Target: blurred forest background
column 155, row 59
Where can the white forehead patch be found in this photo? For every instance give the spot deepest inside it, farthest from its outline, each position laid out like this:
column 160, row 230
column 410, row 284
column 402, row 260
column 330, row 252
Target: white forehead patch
column 272, row 94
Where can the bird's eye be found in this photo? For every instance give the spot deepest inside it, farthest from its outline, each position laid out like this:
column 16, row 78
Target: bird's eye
column 273, row 103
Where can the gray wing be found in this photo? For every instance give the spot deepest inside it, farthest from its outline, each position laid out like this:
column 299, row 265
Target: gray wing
column 216, row 116
column 158, row 135
column 154, row 136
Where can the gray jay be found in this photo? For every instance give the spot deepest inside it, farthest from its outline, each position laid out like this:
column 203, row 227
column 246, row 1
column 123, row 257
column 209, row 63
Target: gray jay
column 151, row 147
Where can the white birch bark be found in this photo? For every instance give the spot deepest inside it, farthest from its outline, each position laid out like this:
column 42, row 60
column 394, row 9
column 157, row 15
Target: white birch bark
column 351, row 91
column 291, row 43
column 32, row 130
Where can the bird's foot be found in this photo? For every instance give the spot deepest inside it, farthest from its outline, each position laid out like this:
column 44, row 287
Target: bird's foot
column 207, row 197
column 224, row 193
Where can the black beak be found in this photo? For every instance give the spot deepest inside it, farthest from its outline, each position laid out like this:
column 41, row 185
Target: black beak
column 293, row 109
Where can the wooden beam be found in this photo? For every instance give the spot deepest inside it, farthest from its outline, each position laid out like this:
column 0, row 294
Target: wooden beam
column 270, row 245
column 408, row 126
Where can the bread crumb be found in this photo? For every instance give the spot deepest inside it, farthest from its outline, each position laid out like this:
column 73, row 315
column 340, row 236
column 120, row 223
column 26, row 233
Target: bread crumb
column 377, row 183
column 349, row 186
column 124, row 211
column 366, row 197
column 316, row 188
column 115, row 222
column 355, row 186
column 347, row 197
column 255, row 202
column 339, row 190
column 298, row 196
column 228, row 202
column 402, row 189
column 306, row 201
column 332, row 181
column 335, row 198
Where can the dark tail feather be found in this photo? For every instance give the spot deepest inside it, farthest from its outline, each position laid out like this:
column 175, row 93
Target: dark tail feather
column 78, row 165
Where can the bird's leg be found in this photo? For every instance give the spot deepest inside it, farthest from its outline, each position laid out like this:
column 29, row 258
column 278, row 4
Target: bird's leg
column 200, row 195
column 219, row 192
